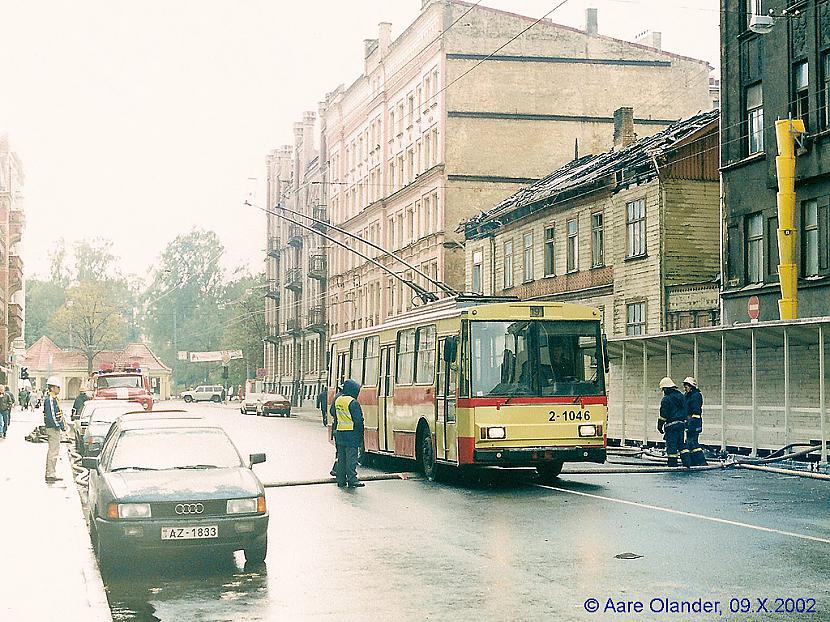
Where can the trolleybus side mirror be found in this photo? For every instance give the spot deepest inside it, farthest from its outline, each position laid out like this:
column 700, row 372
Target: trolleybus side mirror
column 605, row 358
column 450, row 348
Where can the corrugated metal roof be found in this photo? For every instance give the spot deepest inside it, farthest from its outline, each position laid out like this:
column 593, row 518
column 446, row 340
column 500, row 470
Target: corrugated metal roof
column 612, row 170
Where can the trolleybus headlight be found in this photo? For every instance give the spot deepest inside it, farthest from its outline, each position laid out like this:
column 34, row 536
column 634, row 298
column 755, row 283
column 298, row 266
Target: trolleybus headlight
column 496, row 433
column 587, row 430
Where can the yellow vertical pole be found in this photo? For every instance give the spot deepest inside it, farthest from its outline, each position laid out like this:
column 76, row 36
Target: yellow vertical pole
column 785, row 131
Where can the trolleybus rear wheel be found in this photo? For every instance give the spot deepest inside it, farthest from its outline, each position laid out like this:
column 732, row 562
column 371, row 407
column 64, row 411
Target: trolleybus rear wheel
column 427, row 456
column 549, row 471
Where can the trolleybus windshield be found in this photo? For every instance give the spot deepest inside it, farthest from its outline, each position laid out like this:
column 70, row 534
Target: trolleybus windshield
column 536, row 358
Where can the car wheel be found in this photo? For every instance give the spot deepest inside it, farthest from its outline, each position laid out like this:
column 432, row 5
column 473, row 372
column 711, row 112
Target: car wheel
column 188, row 399
column 256, row 553
column 106, row 557
column 216, row 399
column 549, row 471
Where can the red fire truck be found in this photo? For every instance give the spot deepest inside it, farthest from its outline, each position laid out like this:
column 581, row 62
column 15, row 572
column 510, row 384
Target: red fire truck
column 127, row 383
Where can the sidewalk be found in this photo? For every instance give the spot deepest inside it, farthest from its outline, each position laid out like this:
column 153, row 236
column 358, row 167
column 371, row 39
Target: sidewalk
column 47, row 565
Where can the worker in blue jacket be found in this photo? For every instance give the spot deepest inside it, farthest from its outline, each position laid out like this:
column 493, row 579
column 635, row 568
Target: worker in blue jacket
column 692, row 453
column 672, row 421
column 347, row 427
column 54, row 423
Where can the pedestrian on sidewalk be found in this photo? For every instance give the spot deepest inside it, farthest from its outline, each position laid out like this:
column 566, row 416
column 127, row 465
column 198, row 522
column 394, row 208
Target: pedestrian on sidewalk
column 693, row 455
column 53, row 420
column 671, row 423
column 79, row 402
column 6, row 404
column 347, row 427
column 322, row 404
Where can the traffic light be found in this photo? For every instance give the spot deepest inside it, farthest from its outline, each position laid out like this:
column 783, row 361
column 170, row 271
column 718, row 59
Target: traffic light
column 225, row 372
column 24, row 373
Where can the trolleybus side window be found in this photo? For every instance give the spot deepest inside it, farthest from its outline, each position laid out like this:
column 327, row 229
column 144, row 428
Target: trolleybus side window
column 406, row 356
column 356, row 353
column 371, row 352
column 463, row 360
column 425, row 355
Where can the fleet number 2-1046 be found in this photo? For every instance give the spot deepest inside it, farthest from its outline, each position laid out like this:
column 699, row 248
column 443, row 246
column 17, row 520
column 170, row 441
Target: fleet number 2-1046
column 570, row 415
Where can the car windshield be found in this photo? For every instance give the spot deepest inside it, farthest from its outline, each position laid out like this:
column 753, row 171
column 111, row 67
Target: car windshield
column 536, row 358
column 173, row 448
column 108, row 415
column 99, row 428
column 119, row 382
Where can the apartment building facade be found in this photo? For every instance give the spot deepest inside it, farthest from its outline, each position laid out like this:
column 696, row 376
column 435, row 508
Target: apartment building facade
column 634, row 232
column 415, row 146
column 12, row 296
column 767, row 76
column 296, row 266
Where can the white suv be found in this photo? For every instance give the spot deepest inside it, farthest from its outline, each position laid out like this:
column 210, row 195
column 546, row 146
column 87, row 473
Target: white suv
column 205, row 393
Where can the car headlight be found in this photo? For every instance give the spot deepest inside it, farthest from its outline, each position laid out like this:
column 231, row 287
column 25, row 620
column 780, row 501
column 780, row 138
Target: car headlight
column 129, row 510
column 246, row 506
column 496, row 433
column 588, row 430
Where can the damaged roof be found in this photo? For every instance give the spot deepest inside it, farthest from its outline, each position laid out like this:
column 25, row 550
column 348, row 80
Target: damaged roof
column 612, row 171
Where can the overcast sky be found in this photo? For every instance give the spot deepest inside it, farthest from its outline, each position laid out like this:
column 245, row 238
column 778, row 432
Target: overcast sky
column 137, row 121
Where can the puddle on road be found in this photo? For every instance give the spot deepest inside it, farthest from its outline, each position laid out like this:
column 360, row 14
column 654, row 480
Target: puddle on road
column 155, row 590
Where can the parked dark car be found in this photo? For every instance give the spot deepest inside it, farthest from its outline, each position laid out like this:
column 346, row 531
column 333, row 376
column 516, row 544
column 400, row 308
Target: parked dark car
column 274, row 404
column 169, row 483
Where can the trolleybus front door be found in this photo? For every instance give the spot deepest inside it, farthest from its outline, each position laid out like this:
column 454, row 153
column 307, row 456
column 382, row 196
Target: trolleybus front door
column 386, row 390
column 446, row 433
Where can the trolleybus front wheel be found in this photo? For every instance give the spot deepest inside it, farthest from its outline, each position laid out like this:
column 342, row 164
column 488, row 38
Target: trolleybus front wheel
column 549, row 471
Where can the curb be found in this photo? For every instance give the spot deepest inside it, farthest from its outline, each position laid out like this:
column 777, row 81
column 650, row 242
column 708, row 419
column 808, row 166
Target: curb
column 96, row 595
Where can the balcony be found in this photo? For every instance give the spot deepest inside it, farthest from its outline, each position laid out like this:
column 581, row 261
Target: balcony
column 318, row 267
column 274, row 293
column 15, row 274
column 316, row 320
column 274, row 245
column 293, row 326
column 321, row 218
column 15, row 321
column 294, row 279
column 295, row 235
column 16, row 220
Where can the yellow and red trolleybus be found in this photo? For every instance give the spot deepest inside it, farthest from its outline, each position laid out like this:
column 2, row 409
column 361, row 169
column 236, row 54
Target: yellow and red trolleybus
column 467, row 381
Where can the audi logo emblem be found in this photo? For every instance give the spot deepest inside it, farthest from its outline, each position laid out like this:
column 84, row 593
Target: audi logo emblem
column 189, row 508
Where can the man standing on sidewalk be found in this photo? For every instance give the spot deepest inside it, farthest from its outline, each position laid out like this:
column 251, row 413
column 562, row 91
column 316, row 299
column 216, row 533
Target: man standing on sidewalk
column 322, row 404
column 53, row 420
column 6, row 404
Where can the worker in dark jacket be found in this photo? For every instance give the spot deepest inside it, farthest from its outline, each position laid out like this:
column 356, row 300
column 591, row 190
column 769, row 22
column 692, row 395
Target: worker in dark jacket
column 347, row 427
column 322, row 404
column 672, row 421
column 78, row 404
column 54, row 423
column 692, row 453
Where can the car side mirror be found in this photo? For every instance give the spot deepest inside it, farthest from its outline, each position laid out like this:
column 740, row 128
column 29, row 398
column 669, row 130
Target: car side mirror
column 257, row 459
column 90, row 463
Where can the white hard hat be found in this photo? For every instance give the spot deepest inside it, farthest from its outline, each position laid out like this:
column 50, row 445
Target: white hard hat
column 54, row 381
column 690, row 381
column 667, row 383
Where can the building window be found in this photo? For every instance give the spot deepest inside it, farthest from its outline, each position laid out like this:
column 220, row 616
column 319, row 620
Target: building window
column 508, row 264
column 755, row 248
column 801, row 81
column 825, row 90
column 753, row 7
column 528, row 257
column 636, row 319
column 573, row 246
column 755, row 118
column 636, row 228
column 597, row 241
column 477, row 268
column 550, row 251
column 811, row 237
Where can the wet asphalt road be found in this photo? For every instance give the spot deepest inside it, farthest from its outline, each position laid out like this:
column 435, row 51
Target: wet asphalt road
column 498, row 547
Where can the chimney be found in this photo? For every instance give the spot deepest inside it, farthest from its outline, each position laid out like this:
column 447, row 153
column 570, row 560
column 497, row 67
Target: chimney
column 591, row 24
column 309, row 120
column 623, row 127
column 321, row 114
column 650, row 38
column 384, row 37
